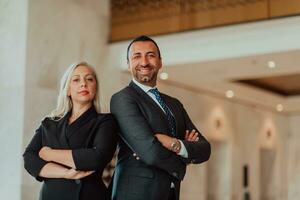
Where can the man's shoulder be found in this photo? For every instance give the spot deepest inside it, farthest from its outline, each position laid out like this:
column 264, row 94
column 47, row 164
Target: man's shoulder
column 128, row 91
column 123, row 92
column 166, row 96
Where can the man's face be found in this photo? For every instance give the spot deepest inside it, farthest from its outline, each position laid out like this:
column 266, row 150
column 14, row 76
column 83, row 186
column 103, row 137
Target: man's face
column 144, row 62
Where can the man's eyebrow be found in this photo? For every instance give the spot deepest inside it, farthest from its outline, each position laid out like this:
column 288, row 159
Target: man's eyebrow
column 151, row 52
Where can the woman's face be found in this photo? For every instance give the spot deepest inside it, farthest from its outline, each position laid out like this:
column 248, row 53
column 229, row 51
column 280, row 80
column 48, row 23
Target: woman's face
column 83, row 85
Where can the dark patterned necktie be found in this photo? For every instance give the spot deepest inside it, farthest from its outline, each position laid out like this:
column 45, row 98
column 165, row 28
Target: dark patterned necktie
column 171, row 120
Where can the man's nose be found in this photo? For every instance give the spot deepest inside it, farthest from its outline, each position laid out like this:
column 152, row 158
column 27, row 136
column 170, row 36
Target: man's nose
column 144, row 61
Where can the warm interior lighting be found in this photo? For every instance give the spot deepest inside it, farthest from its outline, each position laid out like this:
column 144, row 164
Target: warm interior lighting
column 164, row 76
column 229, row 94
column 279, row 107
column 271, row 64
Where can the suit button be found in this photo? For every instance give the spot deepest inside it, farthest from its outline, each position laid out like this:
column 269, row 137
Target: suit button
column 175, row 174
column 77, row 181
column 134, row 154
column 137, row 158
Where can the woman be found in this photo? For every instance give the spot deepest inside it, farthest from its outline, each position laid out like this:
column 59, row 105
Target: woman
column 73, row 145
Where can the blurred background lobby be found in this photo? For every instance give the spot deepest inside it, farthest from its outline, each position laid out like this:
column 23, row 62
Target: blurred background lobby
column 234, row 64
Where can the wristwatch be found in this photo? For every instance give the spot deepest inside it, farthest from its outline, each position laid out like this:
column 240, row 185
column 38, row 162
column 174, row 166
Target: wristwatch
column 175, row 146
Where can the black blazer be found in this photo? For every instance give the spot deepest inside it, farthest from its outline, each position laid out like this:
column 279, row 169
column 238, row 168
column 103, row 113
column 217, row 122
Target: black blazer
column 150, row 176
column 92, row 138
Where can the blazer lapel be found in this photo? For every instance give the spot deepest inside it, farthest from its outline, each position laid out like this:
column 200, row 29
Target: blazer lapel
column 61, row 132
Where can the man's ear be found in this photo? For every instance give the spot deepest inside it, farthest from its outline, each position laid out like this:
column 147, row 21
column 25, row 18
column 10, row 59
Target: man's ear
column 128, row 66
column 160, row 62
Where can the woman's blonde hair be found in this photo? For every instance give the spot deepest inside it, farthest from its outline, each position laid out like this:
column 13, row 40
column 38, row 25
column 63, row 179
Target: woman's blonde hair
column 64, row 102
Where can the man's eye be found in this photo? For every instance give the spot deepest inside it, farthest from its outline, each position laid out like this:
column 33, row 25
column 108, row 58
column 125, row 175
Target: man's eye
column 75, row 80
column 136, row 57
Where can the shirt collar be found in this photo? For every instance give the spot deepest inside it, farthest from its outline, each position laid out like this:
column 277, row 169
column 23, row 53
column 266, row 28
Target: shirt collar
column 145, row 88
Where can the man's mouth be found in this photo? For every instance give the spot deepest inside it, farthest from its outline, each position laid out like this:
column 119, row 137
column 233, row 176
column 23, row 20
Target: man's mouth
column 144, row 70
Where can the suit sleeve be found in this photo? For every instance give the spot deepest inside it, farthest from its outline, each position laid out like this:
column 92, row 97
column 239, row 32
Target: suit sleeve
column 137, row 134
column 198, row 151
column 102, row 151
column 32, row 162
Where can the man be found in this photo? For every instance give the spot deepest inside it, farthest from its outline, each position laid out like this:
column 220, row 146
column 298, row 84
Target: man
column 158, row 139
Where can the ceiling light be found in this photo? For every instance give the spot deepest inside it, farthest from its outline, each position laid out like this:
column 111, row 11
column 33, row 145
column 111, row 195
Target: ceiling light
column 164, row 76
column 279, row 107
column 229, row 94
column 271, row 64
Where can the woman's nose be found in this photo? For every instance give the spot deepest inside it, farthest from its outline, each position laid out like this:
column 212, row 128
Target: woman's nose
column 83, row 83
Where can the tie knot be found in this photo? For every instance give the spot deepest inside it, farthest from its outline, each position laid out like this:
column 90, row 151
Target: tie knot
column 154, row 91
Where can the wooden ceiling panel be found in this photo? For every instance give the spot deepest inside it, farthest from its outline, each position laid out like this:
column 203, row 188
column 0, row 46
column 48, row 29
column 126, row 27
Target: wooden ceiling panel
column 285, row 85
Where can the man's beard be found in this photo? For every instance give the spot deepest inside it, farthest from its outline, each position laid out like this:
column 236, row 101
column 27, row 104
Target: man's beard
column 145, row 79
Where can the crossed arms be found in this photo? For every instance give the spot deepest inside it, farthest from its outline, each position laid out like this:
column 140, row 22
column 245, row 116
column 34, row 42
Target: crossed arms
column 42, row 161
column 153, row 149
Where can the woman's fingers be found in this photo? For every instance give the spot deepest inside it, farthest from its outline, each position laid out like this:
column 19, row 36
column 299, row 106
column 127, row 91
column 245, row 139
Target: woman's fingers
column 74, row 174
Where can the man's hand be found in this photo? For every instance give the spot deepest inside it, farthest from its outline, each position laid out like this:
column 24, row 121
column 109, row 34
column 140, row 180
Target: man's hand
column 191, row 136
column 165, row 140
column 74, row 174
column 44, row 152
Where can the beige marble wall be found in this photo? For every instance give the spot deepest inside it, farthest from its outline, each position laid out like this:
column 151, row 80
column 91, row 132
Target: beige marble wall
column 238, row 141
column 293, row 157
column 13, row 30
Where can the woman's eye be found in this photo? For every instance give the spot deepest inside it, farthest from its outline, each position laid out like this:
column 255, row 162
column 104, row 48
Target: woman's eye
column 75, row 80
column 90, row 79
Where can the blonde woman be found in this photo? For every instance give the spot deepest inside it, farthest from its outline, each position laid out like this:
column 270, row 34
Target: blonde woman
column 73, row 145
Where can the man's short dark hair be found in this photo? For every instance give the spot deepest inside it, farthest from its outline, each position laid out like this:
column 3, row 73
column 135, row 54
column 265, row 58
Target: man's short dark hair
column 142, row 38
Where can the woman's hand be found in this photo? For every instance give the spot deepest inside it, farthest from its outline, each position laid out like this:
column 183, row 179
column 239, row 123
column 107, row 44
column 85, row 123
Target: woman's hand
column 44, row 152
column 74, row 174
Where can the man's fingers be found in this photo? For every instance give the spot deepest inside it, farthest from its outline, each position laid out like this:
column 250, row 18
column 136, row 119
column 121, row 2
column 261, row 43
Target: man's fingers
column 195, row 136
column 192, row 134
column 186, row 134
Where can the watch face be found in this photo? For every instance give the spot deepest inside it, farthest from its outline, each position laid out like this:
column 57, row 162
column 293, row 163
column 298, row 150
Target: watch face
column 175, row 146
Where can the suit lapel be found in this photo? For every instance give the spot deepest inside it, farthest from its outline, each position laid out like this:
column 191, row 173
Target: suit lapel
column 147, row 98
column 173, row 109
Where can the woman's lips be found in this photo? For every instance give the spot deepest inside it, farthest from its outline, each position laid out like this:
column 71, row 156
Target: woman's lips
column 83, row 93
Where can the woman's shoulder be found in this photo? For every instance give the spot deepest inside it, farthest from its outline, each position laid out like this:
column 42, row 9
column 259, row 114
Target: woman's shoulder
column 105, row 117
column 107, row 120
column 48, row 121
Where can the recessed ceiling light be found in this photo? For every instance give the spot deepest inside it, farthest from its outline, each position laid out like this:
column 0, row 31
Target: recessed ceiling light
column 271, row 64
column 164, row 76
column 229, row 94
column 279, row 107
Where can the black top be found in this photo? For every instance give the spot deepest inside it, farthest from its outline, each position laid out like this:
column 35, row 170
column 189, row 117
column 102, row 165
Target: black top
column 92, row 138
